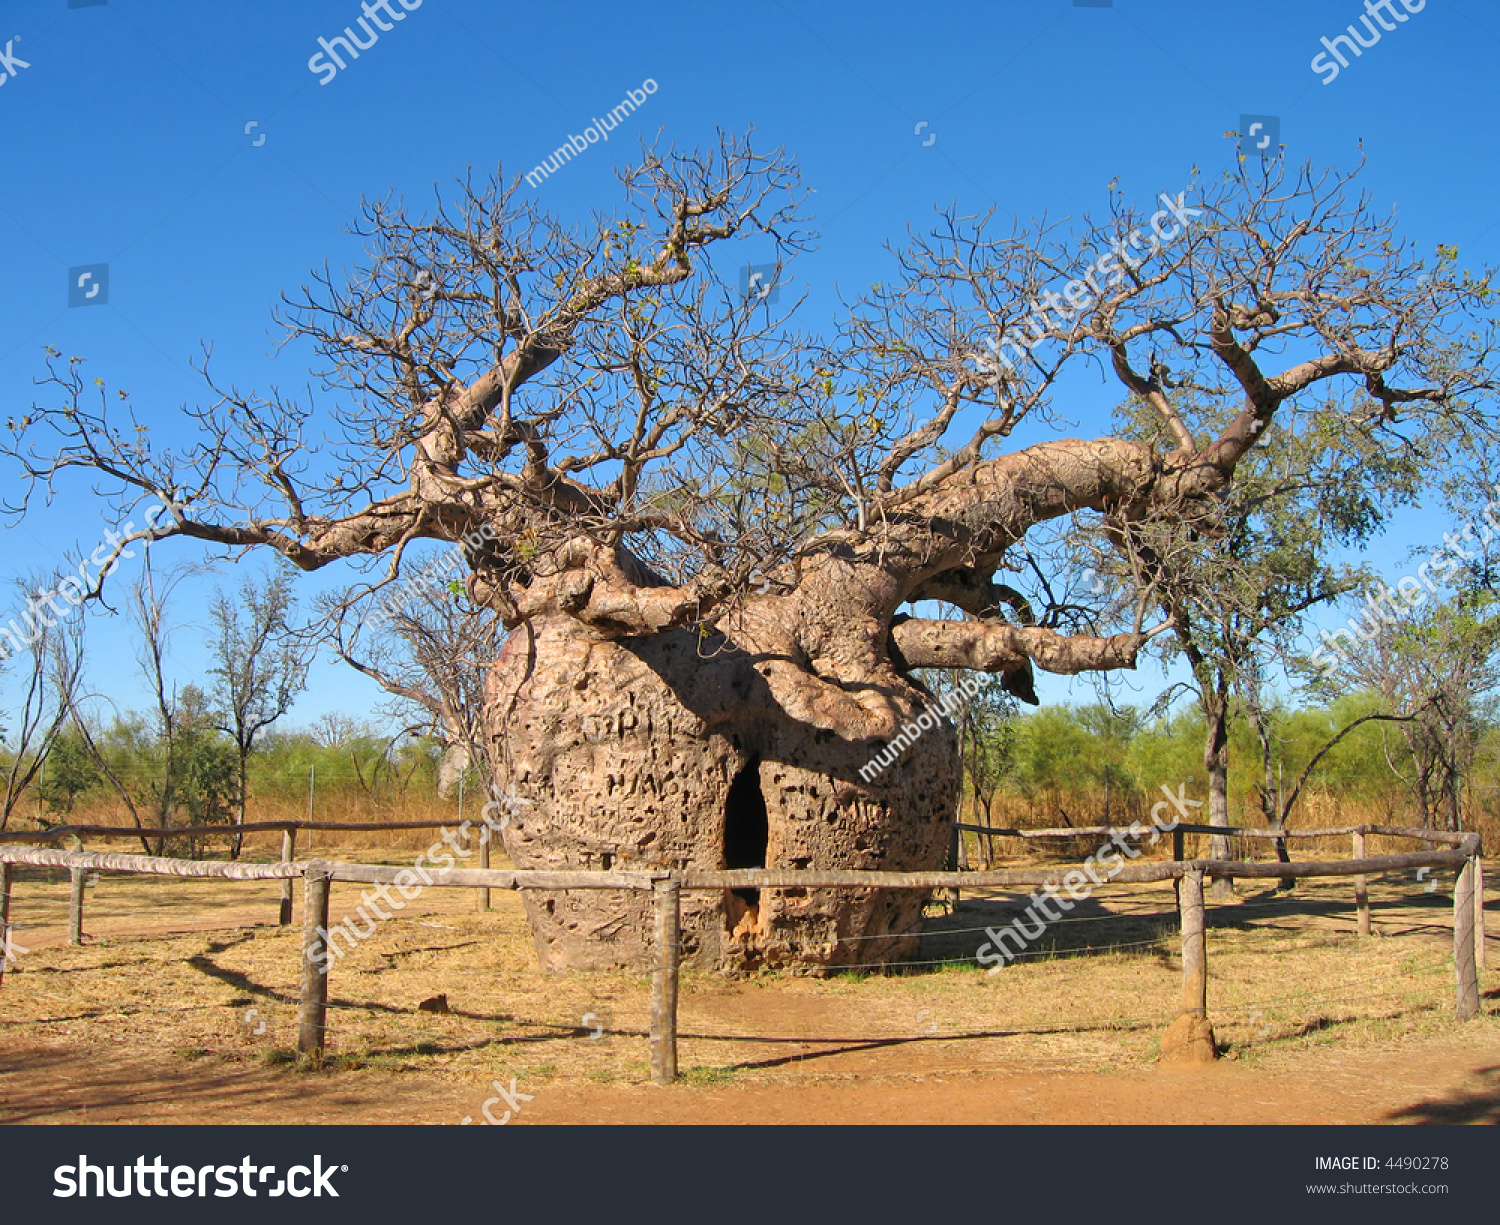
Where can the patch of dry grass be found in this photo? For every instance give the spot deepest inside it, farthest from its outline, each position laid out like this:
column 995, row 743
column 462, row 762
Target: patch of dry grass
column 190, row 970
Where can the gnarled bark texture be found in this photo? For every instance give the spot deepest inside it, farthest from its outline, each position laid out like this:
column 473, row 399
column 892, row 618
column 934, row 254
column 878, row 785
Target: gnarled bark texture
column 666, row 753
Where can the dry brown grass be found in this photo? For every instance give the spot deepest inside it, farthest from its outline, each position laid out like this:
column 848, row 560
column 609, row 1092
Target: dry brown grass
column 336, row 808
column 172, row 969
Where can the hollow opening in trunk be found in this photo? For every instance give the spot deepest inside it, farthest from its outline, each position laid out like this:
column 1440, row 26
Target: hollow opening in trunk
column 746, row 826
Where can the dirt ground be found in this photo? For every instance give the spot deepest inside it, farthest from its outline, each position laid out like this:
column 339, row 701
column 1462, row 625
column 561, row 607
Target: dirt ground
column 180, row 1008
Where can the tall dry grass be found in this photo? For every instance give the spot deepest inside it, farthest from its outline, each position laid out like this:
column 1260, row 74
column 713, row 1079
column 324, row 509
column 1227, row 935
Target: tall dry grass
column 338, row 807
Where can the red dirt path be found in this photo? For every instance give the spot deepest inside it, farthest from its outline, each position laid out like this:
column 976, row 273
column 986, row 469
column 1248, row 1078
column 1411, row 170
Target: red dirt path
column 1451, row 1078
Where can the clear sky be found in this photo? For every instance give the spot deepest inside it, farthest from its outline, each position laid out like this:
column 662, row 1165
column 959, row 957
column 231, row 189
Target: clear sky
column 188, row 146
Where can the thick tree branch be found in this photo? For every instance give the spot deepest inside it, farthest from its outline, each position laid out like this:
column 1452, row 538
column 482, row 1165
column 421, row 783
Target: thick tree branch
column 1004, row 648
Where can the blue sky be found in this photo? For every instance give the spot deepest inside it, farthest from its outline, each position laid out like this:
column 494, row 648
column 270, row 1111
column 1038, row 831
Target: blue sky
column 133, row 137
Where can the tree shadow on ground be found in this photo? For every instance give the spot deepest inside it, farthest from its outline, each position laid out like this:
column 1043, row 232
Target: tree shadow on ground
column 848, row 1046
column 1477, row 1102
column 1254, row 909
column 1088, row 929
column 130, row 1085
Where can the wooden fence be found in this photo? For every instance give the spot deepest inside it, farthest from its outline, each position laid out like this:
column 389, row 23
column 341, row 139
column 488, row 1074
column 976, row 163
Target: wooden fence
column 288, row 830
column 1463, row 853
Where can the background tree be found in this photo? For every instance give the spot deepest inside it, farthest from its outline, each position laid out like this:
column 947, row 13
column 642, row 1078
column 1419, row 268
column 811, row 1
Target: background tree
column 259, row 668
column 70, row 772
column 1238, row 581
column 1067, row 757
column 430, row 647
column 202, row 772
column 1438, row 668
column 986, row 741
column 703, row 529
column 168, row 766
column 46, row 672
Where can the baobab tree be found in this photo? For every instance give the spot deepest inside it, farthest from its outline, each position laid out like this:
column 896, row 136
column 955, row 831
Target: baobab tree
column 711, row 539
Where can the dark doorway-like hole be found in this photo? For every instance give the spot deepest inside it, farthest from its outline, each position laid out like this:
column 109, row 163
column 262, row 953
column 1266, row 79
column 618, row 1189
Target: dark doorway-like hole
column 746, row 826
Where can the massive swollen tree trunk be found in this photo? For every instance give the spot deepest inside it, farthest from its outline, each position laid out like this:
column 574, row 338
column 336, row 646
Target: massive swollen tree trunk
column 646, row 754
column 750, row 747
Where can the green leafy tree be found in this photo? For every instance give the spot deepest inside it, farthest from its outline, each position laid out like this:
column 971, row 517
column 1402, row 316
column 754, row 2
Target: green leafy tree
column 1236, row 580
column 70, row 772
column 1440, row 668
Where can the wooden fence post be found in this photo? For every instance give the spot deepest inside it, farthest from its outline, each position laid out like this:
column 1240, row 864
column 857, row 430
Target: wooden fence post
column 1190, row 1038
column 7, row 874
column 666, row 895
column 312, row 1014
column 1177, row 858
column 1361, row 886
column 288, row 853
column 1467, row 977
column 955, row 850
column 75, row 899
column 1481, row 954
column 485, row 835
column 1194, row 946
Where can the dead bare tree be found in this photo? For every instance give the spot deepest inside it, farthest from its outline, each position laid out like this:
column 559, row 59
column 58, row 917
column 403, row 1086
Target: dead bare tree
column 429, row 647
column 1438, row 671
column 50, row 670
column 259, row 668
column 702, row 528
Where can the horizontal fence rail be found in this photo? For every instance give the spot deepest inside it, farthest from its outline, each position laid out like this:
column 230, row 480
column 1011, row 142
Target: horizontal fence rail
column 148, row 865
column 719, row 878
column 1191, row 1032
column 776, row 878
column 1223, row 831
column 57, row 832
